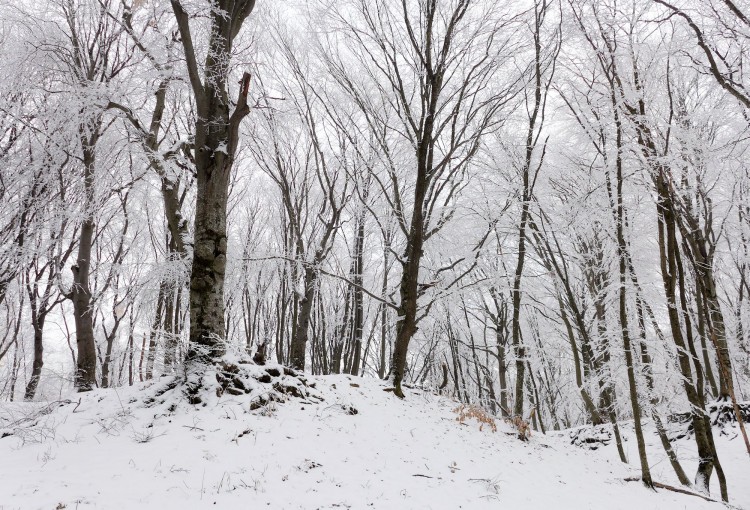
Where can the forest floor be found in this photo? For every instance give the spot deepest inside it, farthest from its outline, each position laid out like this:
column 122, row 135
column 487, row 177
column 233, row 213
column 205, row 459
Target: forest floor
column 360, row 447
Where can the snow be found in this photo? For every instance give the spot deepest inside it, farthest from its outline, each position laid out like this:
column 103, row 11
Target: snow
column 731, row 450
column 358, row 448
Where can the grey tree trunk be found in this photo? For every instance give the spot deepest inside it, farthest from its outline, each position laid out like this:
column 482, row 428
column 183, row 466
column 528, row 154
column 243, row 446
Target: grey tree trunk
column 215, row 144
column 156, row 326
column 500, row 321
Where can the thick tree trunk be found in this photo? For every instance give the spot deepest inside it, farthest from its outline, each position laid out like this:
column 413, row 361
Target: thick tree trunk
column 215, row 145
column 85, row 378
column 207, row 329
column 83, row 310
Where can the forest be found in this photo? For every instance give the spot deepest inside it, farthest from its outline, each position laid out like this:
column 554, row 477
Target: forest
column 539, row 209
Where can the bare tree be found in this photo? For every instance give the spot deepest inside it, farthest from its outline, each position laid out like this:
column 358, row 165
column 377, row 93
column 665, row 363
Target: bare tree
column 434, row 65
column 215, row 142
column 88, row 50
column 544, row 60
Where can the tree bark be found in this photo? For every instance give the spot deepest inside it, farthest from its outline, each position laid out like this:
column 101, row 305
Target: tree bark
column 299, row 341
column 215, row 145
column 85, row 374
column 668, row 251
column 406, row 326
column 616, row 202
column 358, row 295
column 38, row 363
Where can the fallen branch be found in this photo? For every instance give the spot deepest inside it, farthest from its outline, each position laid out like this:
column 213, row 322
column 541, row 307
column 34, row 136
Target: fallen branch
column 658, row 485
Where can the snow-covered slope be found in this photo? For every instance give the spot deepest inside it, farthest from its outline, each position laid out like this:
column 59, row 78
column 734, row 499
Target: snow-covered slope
column 358, row 448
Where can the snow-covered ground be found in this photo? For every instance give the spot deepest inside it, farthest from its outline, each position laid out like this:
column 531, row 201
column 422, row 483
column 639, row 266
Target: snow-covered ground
column 358, row 448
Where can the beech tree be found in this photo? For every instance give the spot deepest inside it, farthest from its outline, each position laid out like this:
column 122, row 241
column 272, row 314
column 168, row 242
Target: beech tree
column 215, row 142
column 448, row 56
column 541, row 209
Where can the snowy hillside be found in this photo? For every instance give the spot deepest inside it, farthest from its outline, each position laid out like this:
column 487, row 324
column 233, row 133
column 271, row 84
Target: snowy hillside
column 145, row 448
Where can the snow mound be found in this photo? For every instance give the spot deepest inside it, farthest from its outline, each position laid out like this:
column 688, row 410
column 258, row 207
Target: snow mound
column 591, row 437
column 262, row 384
column 343, row 443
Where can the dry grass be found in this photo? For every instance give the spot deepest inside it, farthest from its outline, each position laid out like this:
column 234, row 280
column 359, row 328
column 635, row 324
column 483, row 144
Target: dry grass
column 522, row 426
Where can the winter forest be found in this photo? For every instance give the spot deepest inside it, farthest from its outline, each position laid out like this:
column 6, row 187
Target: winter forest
column 535, row 212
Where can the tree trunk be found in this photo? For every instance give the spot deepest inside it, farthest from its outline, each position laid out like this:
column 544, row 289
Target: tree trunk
column 501, row 340
column 172, row 327
column 701, row 254
column 358, row 296
column 668, row 252
column 648, row 373
column 588, row 403
column 106, row 383
column 516, row 339
column 216, row 140
column 207, row 329
column 36, row 368
column 406, row 326
column 83, row 309
column 299, row 341
column 616, row 202
column 382, row 367
column 157, row 326
column 702, row 313
column 629, row 363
